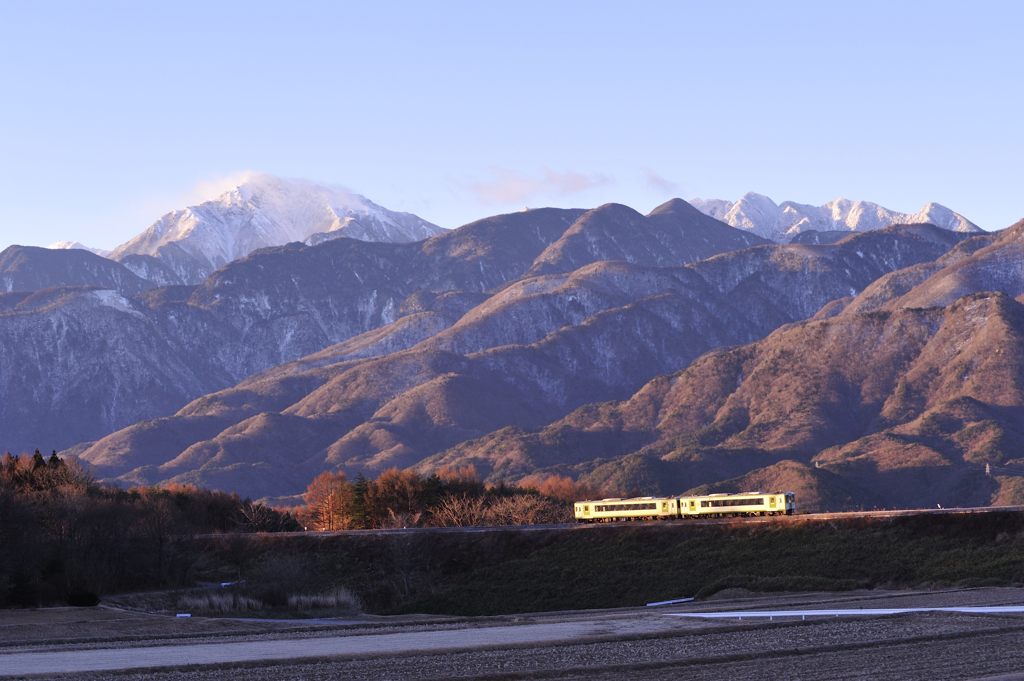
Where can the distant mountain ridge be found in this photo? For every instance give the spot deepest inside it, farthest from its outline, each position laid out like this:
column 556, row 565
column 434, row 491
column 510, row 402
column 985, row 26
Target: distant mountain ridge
column 781, row 222
column 29, row 268
column 260, row 212
column 909, row 394
column 281, row 303
column 497, row 343
column 77, row 245
column 529, row 351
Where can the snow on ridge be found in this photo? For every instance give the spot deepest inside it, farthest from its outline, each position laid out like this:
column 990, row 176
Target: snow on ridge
column 69, row 245
column 261, row 211
column 780, row 222
column 716, row 208
column 113, row 299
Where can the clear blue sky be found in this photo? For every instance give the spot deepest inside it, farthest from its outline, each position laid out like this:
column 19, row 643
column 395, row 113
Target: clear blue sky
column 115, row 112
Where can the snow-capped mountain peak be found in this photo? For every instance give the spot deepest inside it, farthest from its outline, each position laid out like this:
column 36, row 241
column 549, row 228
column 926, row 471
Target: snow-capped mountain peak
column 753, row 211
column 264, row 210
column 781, row 222
column 70, row 245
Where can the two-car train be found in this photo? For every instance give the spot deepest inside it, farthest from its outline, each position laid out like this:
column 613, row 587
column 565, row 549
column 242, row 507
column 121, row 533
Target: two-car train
column 667, row 508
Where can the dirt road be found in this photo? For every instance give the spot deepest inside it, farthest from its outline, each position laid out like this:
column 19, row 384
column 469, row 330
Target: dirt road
column 78, row 661
column 601, row 645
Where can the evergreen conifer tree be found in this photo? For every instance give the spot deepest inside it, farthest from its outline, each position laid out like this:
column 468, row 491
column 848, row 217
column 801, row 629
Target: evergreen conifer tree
column 360, row 518
column 38, row 461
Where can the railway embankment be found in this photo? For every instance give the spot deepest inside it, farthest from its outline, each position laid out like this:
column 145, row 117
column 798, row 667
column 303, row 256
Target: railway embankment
column 499, row 572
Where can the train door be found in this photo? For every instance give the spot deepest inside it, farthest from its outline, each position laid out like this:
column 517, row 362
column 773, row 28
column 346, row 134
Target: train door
column 773, row 505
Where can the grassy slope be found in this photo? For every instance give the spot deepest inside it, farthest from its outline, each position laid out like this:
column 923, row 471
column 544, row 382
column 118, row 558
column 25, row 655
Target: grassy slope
column 507, row 572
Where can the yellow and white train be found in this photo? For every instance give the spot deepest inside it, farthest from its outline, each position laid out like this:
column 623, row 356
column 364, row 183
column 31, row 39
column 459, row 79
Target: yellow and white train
column 666, row 508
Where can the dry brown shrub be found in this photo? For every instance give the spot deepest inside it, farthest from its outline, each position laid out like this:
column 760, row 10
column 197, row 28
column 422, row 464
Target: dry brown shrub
column 220, row 602
column 459, row 510
column 397, row 521
column 334, row 599
column 527, row 509
column 455, row 474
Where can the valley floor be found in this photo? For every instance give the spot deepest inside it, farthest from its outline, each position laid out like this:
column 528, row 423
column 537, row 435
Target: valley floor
column 100, row 643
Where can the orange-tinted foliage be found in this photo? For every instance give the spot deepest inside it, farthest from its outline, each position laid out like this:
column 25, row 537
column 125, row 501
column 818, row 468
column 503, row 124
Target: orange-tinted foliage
column 465, row 474
column 558, row 487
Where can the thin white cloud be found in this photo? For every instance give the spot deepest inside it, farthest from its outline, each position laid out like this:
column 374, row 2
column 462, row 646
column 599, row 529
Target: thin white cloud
column 508, row 186
column 661, row 183
column 207, row 190
column 140, row 213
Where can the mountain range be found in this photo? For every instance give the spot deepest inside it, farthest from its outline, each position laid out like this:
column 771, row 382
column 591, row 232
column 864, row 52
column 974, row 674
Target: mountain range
column 908, row 394
column 638, row 353
column 531, row 352
column 280, row 304
column 782, row 222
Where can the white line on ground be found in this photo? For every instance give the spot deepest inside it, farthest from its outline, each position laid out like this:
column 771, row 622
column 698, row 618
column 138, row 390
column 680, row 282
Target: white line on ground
column 674, row 601
column 849, row 612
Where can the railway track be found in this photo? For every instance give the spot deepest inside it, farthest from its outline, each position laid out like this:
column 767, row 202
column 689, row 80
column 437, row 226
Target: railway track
column 686, row 522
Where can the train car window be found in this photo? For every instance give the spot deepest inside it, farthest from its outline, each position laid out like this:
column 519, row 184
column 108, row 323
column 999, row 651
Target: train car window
column 719, row 503
column 626, row 507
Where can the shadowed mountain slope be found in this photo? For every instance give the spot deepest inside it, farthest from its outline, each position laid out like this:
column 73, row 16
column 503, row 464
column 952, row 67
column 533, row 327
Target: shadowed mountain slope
column 674, row 233
column 886, row 403
column 283, row 303
column 74, row 362
column 531, row 352
column 906, row 406
column 272, row 306
column 27, row 268
column 816, row 489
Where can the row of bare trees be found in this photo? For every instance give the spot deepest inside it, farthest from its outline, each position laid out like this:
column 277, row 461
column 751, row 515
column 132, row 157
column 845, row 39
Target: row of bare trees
column 451, row 497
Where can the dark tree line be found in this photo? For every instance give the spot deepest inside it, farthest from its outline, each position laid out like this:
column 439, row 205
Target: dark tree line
column 65, row 538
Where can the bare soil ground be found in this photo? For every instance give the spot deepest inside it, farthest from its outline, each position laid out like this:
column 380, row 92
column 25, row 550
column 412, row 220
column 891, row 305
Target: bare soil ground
column 602, row 645
column 55, row 628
